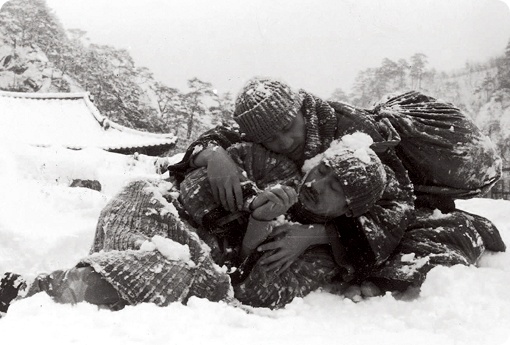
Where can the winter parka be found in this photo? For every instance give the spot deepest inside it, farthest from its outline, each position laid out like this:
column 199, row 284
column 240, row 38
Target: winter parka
column 372, row 238
column 377, row 233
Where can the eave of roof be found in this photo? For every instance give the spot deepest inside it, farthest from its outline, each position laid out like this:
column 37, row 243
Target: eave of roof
column 115, row 137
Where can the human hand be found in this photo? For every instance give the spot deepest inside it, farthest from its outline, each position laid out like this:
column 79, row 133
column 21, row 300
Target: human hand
column 289, row 242
column 224, row 179
column 273, row 202
column 256, row 233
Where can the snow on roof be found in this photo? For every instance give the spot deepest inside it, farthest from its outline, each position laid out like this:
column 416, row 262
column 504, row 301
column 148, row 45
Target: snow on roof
column 70, row 120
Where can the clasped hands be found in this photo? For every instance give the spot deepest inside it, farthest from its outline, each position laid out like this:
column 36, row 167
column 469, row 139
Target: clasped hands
column 287, row 242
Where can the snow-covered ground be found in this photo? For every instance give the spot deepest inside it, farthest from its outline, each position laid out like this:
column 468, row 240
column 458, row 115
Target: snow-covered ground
column 46, row 225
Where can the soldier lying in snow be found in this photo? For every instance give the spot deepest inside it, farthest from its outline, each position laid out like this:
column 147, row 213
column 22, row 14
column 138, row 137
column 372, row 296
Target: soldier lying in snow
column 140, row 212
column 421, row 139
column 346, row 187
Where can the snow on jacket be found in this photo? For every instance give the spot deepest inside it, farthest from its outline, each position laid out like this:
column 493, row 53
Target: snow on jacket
column 252, row 284
column 381, row 229
column 436, row 239
column 443, row 150
column 140, row 211
column 143, row 274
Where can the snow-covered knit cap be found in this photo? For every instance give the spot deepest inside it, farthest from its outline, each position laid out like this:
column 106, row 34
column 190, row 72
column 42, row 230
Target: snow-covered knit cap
column 264, row 107
column 358, row 168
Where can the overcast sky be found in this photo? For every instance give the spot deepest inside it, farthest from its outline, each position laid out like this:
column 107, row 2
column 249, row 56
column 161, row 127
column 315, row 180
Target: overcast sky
column 318, row 45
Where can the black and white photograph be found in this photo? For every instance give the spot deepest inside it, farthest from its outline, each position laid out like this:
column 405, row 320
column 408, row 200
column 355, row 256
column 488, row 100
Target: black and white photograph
column 254, row 172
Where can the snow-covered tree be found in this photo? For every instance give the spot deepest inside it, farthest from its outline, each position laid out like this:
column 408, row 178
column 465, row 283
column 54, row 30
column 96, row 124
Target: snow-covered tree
column 109, row 74
column 171, row 108
column 402, row 68
column 223, row 109
column 194, row 103
column 338, row 95
column 418, row 63
column 487, row 86
column 504, row 69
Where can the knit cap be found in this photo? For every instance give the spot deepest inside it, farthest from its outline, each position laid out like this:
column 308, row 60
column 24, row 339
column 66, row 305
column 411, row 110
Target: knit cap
column 264, row 107
column 357, row 167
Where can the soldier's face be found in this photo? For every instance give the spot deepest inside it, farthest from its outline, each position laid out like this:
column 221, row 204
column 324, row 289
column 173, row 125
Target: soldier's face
column 290, row 140
column 322, row 194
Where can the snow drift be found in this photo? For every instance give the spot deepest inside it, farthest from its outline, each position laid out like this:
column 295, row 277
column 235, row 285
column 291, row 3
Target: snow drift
column 47, row 225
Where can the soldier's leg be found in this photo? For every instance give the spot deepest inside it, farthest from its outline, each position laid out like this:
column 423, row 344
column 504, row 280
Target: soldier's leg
column 435, row 239
column 79, row 284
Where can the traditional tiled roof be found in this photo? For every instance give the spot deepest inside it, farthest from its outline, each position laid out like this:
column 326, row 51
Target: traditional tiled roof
column 70, row 120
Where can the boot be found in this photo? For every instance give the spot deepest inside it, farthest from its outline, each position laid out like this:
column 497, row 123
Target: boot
column 79, row 284
column 10, row 286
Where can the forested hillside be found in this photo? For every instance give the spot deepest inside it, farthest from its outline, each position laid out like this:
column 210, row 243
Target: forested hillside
column 38, row 55
column 481, row 90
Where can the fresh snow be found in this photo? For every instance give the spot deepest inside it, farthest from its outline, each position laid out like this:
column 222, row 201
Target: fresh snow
column 358, row 143
column 46, row 225
column 70, row 119
column 172, row 250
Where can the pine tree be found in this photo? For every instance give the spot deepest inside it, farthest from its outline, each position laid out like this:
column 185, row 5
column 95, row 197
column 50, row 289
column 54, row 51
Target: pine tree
column 487, row 86
column 32, row 22
column 110, row 75
column 171, row 108
column 418, row 63
column 363, row 94
column 195, row 105
column 338, row 95
column 504, row 69
column 403, row 67
column 223, row 109
column 30, row 26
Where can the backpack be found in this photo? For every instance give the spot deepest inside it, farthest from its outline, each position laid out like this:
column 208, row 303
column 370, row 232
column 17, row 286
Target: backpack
column 444, row 152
